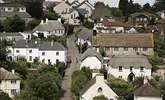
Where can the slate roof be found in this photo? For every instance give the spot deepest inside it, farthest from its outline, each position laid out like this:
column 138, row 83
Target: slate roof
column 84, row 33
column 90, row 53
column 141, row 13
column 126, row 61
column 123, row 40
column 49, row 26
column 6, row 75
column 147, row 90
column 10, row 34
column 11, row 5
column 40, row 45
column 11, row 14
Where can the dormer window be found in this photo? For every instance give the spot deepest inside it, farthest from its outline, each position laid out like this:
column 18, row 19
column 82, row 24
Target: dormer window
column 13, row 81
column 100, row 90
column 142, row 69
column 120, row 68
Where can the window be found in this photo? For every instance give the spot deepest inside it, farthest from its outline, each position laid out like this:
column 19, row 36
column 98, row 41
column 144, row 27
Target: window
column 100, row 90
column 145, row 49
column 57, row 61
column 120, row 76
column 135, row 49
column 116, row 49
column 125, row 49
column 71, row 16
column 49, row 61
column 30, row 58
column 43, row 53
column 141, row 69
column 30, row 51
column 57, row 53
column 131, row 68
column 111, row 99
column 0, row 81
column 9, row 8
column 13, row 92
column 13, row 81
column 17, row 51
column 120, row 68
column 9, row 51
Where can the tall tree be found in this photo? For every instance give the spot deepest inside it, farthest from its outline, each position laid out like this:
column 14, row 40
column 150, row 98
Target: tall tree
column 14, row 24
column 123, row 6
column 1, row 27
column 160, row 4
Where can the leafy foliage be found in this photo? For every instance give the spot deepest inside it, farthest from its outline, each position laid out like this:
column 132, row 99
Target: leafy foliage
column 100, row 98
column 14, row 24
column 32, row 24
column 79, row 80
column 4, row 96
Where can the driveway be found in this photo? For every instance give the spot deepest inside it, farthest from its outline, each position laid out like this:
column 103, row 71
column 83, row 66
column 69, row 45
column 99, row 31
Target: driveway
column 66, row 84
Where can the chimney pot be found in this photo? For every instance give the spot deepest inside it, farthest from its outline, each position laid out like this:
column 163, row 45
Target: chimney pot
column 13, row 71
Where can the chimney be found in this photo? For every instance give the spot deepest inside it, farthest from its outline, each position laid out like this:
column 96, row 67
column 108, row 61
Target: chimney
column 13, row 71
column 145, row 80
column 52, row 43
column 99, row 78
column 59, row 19
column 46, row 20
column 42, row 21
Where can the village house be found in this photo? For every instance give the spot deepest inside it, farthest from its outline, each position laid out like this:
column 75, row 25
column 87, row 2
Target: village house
column 49, row 28
column 160, row 71
column 140, row 19
column 128, row 67
column 147, row 92
column 84, row 35
column 15, row 36
column 97, row 87
column 84, row 6
column 113, row 25
column 91, row 59
column 9, row 82
column 45, row 52
column 66, row 11
column 124, row 44
column 10, row 10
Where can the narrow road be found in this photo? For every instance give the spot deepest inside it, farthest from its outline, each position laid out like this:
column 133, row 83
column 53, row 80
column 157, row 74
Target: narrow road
column 66, row 84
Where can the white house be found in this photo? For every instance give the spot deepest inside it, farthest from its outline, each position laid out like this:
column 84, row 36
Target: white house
column 66, row 11
column 9, row 82
column 161, row 14
column 97, row 87
column 49, row 27
column 86, row 5
column 128, row 67
column 84, row 35
column 92, row 59
column 10, row 10
column 45, row 52
column 147, row 92
column 124, row 44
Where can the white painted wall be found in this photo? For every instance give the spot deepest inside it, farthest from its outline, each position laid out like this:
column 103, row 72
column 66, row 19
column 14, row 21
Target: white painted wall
column 111, row 51
column 7, row 86
column 82, row 41
column 36, row 53
column 125, row 72
column 91, row 62
column 93, row 90
column 147, row 98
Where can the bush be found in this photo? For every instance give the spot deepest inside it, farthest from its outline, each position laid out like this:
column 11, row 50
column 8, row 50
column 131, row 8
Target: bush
column 32, row 24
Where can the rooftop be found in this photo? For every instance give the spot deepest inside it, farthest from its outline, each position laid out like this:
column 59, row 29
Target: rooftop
column 6, row 75
column 147, row 90
column 123, row 40
column 126, row 61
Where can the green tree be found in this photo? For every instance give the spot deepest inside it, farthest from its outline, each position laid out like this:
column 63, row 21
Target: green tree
column 34, row 7
column 1, row 27
column 51, row 15
column 14, row 24
column 123, row 6
column 69, row 29
column 4, row 96
column 147, row 7
column 102, row 97
column 32, row 24
column 160, row 4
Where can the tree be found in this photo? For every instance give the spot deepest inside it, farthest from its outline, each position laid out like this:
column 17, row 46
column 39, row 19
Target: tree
column 14, row 24
column 34, row 8
column 32, row 24
column 102, row 97
column 69, row 29
column 123, row 6
column 1, row 27
column 4, row 96
column 147, row 7
column 160, row 4
column 51, row 15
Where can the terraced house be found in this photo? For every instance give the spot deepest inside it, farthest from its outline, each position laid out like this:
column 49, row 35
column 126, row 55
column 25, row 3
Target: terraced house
column 124, row 44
